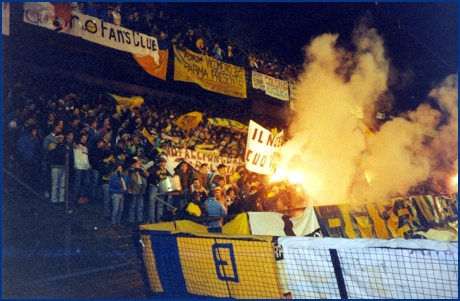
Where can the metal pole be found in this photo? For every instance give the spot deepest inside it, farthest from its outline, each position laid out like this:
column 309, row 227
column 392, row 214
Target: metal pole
column 67, row 223
column 169, row 205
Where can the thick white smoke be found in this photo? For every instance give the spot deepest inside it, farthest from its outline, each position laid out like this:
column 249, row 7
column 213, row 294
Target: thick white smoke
column 338, row 92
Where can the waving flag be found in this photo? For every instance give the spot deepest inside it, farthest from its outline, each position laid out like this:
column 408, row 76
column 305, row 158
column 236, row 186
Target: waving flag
column 150, row 65
column 127, row 102
column 189, row 120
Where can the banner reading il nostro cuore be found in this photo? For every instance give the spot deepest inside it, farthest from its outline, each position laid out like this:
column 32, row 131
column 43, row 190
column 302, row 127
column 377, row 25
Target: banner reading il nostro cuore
column 262, row 149
column 209, row 73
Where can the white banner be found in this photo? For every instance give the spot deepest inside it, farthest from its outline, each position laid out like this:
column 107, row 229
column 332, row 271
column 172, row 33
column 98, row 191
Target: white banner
column 276, row 88
column 262, row 149
column 93, row 29
column 6, row 18
column 273, row 87
column 196, row 158
column 372, row 268
column 273, row 223
column 258, row 80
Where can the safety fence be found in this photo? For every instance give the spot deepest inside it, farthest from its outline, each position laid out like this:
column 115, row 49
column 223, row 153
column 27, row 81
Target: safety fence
column 184, row 264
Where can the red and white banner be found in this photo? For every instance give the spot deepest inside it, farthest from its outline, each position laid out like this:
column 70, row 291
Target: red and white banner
column 273, row 87
column 262, row 149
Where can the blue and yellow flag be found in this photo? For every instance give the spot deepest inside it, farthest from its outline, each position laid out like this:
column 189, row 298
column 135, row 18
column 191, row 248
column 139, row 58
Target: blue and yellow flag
column 228, row 123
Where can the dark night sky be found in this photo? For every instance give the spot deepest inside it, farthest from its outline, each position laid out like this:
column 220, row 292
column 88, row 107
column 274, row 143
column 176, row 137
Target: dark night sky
column 421, row 38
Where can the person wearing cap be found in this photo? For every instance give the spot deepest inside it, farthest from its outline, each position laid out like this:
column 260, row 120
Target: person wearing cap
column 136, row 188
column 56, row 159
column 157, row 173
column 215, row 208
column 121, row 157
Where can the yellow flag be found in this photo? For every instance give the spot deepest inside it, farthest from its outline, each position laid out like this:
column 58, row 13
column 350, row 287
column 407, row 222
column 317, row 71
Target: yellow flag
column 189, row 120
column 128, row 102
column 147, row 135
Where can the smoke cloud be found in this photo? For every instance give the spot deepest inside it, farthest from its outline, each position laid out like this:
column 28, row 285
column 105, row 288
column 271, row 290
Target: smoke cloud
column 339, row 91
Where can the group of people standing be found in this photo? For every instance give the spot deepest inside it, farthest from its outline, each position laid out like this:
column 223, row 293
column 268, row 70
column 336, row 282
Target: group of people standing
column 72, row 143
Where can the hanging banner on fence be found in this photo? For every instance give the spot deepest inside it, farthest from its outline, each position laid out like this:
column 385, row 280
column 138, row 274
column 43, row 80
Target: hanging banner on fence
column 262, row 149
column 6, row 18
column 276, row 88
column 293, row 97
column 380, row 260
column 92, row 29
column 228, row 123
column 196, row 158
column 209, row 73
column 273, row 87
column 277, row 224
column 258, row 80
column 222, row 266
column 189, row 121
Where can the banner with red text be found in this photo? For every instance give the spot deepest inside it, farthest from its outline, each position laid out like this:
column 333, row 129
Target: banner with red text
column 92, row 29
column 196, row 158
column 209, row 73
column 262, row 149
column 273, row 87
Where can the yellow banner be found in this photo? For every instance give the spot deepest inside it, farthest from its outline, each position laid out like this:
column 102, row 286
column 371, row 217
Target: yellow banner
column 228, row 123
column 209, row 73
column 207, row 149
